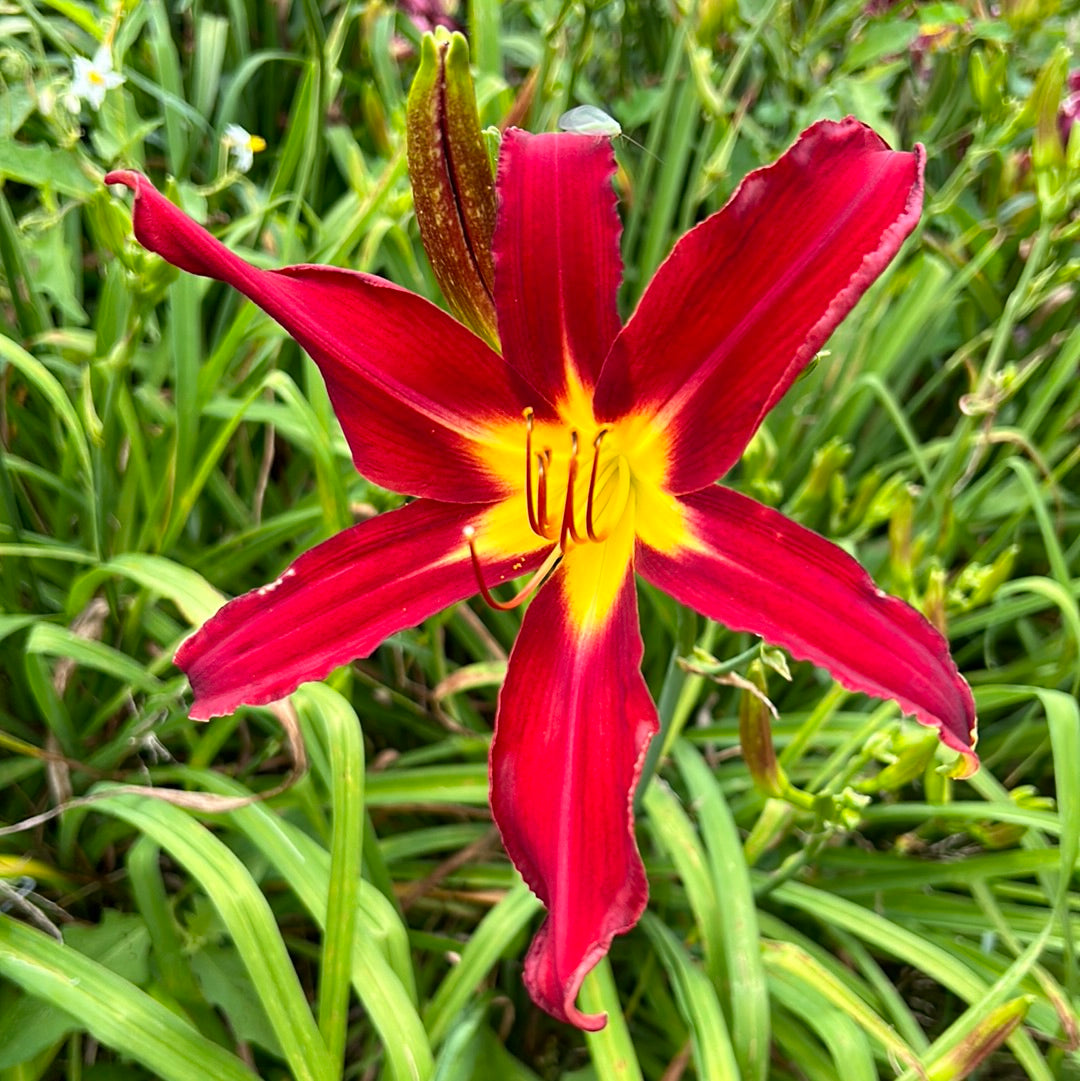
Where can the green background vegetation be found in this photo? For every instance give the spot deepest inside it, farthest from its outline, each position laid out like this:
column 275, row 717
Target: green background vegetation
column 162, row 444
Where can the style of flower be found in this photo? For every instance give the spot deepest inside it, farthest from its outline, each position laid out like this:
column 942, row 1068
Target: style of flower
column 585, row 452
column 93, row 78
column 242, row 145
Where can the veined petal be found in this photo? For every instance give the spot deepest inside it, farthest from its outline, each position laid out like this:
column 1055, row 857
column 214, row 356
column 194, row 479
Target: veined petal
column 573, row 724
column 453, row 189
column 748, row 297
column 752, row 569
column 557, row 261
column 416, row 393
column 338, row 602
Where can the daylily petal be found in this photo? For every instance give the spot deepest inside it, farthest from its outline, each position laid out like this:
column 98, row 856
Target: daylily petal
column 573, row 723
column 748, row 297
column 337, row 602
column 416, row 393
column 557, row 261
column 753, row 569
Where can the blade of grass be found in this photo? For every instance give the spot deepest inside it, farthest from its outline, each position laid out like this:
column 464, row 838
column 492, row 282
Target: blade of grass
column 611, row 1049
column 847, row 1045
column 674, row 833
column 941, row 965
column 381, row 969
column 339, row 728
column 114, row 1011
column 800, row 966
column 169, row 79
column 248, row 918
column 714, row 1054
column 487, row 942
column 51, row 389
column 738, row 925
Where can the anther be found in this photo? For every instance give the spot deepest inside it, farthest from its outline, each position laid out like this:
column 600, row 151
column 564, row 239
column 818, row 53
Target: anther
column 590, row 525
column 523, row 594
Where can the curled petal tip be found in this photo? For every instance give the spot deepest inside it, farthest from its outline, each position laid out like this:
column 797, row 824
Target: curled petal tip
column 574, row 722
column 556, row 995
column 587, row 1022
column 592, row 1022
column 128, row 177
column 967, row 765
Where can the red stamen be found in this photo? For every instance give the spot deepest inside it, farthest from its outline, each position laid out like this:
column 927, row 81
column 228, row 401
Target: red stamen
column 590, row 527
column 568, row 526
column 543, row 461
column 522, row 594
column 534, row 521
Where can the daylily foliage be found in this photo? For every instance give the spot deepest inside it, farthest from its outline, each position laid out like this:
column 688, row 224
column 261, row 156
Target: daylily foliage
column 583, row 452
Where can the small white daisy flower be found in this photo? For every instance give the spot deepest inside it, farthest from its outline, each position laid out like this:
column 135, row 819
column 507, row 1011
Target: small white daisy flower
column 94, row 77
column 243, row 145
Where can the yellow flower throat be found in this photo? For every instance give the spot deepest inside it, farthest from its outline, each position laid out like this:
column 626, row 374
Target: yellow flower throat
column 583, row 488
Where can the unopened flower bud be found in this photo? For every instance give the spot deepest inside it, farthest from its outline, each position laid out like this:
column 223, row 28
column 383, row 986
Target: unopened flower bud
column 452, row 182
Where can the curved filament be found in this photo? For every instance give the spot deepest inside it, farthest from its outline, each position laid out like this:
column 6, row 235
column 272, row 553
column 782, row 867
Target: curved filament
column 590, row 525
column 569, row 528
column 534, row 519
column 525, row 592
column 543, row 461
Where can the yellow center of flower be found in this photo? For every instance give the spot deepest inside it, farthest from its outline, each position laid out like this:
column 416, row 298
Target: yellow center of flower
column 588, row 510
column 583, row 490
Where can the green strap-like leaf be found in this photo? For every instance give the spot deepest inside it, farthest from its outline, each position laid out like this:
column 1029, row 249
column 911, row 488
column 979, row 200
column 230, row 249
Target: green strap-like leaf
column 248, row 918
column 111, row 1009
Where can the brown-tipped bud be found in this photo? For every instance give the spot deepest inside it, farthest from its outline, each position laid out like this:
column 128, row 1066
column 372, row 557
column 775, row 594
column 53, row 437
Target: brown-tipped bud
column 452, row 183
column 989, row 1034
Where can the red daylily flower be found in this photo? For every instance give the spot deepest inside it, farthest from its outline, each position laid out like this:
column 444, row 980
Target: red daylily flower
column 586, row 451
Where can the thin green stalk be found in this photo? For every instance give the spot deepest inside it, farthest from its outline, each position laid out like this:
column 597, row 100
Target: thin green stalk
column 612, row 1048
